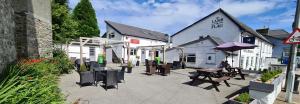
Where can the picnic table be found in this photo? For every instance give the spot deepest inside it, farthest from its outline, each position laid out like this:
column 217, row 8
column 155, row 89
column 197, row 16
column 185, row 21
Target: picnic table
column 210, row 73
column 237, row 70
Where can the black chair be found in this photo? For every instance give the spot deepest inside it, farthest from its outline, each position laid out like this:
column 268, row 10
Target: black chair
column 94, row 64
column 121, row 74
column 98, row 71
column 176, row 65
column 111, row 78
column 86, row 77
column 77, row 64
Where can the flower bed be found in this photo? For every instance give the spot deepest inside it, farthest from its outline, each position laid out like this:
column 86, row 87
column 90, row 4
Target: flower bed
column 243, row 98
column 32, row 81
column 267, row 88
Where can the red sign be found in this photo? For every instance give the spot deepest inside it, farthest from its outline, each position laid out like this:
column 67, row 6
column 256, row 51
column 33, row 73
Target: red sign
column 134, row 41
column 294, row 37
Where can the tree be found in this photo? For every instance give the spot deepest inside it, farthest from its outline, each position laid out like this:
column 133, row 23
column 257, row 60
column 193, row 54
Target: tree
column 64, row 27
column 85, row 15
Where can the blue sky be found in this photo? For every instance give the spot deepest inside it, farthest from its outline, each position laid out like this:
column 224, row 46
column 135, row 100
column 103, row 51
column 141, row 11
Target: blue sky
column 170, row 16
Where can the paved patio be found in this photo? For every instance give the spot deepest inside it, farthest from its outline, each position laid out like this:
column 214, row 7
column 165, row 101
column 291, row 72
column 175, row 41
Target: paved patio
column 156, row 89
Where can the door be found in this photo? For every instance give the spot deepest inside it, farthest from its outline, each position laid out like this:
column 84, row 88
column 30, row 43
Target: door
column 156, row 53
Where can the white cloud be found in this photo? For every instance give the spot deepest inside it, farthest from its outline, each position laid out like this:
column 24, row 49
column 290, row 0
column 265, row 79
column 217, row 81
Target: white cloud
column 248, row 7
column 170, row 17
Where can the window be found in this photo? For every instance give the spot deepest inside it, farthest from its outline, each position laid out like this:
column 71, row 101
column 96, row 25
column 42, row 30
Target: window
column 133, row 52
column 242, row 61
column 210, row 58
column 111, row 35
column 191, row 58
column 247, row 61
column 92, row 51
column 252, row 61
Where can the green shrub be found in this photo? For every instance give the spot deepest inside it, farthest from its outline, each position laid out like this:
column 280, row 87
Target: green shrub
column 244, row 97
column 269, row 75
column 62, row 61
column 31, row 82
column 129, row 64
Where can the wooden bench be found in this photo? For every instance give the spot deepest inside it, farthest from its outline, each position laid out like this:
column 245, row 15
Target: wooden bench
column 218, row 80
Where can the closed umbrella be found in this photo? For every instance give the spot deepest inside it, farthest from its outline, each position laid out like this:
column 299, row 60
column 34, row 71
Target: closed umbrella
column 234, row 46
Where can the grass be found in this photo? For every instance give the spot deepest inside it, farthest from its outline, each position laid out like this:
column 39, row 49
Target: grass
column 267, row 75
column 33, row 81
column 244, row 97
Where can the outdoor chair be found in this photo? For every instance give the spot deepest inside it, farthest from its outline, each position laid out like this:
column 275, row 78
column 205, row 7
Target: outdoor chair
column 166, row 69
column 171, row 66
column 146, row 61
column 99, row 74
column 86, row 77
column 111, row 78
column 94, row 64
column 176, row 65
column 147, row 65
column 98, row 71
column 150, row 68
column 121, row 74
column 77, row 64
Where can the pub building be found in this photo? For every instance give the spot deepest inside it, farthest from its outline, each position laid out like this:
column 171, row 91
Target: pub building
column 199, row 39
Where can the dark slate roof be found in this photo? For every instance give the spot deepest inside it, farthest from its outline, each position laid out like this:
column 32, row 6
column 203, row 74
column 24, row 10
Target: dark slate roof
column 215, row 40
column 277, row 33
column 241, row 25
column 137, row 32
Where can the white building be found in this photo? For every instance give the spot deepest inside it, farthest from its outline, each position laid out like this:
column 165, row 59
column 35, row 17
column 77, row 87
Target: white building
column 228, row 29
column 90, row 51
column 141, row 42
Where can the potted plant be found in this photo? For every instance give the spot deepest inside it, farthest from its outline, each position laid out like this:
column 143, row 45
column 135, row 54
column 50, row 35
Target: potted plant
column 129, row 67
column 267, row 87
column 242, row 98
column 86, row 77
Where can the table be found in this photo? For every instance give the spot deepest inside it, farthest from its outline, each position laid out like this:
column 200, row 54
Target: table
column 99, row 74
column 209, row 73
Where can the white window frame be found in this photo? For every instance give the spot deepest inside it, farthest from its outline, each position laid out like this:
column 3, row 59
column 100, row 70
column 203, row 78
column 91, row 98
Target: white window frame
column 133, row 51
column 192, row 55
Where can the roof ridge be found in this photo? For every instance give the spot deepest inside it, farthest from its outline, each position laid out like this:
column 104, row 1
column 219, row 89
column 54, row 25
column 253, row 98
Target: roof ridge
column 129, row 30
column 133, row 26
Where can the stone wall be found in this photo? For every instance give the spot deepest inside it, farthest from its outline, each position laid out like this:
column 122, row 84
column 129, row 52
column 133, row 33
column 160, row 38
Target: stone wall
column 34, row 29
column 25, row 30
column 41, row 33
column 7, row 41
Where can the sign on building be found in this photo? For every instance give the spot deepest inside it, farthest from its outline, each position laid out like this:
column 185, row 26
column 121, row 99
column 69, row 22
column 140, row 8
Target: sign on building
column 217, row 22
column 249, row 40
column 134, row 41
